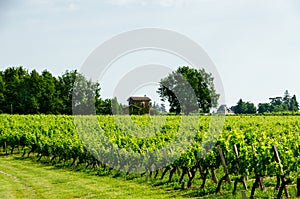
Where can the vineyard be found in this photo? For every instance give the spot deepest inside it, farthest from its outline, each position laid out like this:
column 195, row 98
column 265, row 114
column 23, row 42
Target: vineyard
column 189, row 150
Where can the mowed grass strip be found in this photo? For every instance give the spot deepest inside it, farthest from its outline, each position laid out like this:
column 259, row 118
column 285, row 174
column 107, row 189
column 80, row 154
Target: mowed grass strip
column 27, row 179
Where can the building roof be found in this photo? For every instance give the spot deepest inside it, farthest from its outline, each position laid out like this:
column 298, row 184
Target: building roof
column 224, row 109
column 137, row 98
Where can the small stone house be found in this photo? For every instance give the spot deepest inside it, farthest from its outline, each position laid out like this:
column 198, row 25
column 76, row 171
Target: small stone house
column 139, row 105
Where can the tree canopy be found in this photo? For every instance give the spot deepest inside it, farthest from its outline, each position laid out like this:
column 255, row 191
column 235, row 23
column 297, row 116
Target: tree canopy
column 280, row 104
column 22, row 92
column 244, row 108
column 189, row 90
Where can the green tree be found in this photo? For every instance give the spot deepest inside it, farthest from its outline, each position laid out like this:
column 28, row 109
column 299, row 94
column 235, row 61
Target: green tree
column 263, row 107
column 65, row 90
column 115, row 106
column 104, row 107
column 84, row 98
column 188, row 90
column 2, row 93
column 49, row 99
column 286, row 98
column 251, row 109
column 85, row 95
column 15, row 89
column 25, row 93
column 244, row 108
column 280, row 104
column 240, row 108
column 32, row 93
column 25, row 101
column 209, row 80
column 294, row 105
column 277, row 105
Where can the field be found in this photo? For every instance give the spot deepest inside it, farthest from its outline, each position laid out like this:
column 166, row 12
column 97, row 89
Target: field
column 171, row 153
column 20, row 178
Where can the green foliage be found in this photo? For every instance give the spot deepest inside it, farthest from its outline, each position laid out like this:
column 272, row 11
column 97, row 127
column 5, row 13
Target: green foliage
column 33, row 93
column 56, row 137
column 15, row 94
column 293, row 105
column 244, row 108
column 263, row 107
column 2, row 92
column 189, row 90
column 280, row 104
column 85, row 94
column 104, row 107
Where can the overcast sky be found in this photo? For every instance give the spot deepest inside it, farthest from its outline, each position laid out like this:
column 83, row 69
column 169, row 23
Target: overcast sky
column 254, row 44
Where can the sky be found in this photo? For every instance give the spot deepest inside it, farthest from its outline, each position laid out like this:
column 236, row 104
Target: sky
column 254, row 44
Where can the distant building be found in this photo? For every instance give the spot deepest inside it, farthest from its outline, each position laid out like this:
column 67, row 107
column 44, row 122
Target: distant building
column 223, row 109
column 139, row 105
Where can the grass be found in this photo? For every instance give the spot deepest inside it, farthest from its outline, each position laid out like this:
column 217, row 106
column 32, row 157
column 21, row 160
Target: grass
column 27, row 179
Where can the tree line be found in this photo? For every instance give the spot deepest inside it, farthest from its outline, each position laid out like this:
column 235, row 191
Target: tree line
column 23, row 92
column 276, row 104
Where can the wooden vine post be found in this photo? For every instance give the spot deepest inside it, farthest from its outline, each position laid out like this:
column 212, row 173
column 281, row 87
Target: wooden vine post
column 241, row 179
column 182, row 185
column 226, row 176
column 5, row 148
column 213, row 175
column 244, row 194
column 284, row 182
column 298, row 187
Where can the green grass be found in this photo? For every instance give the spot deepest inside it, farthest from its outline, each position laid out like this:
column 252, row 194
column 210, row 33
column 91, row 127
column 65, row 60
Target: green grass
column 27, row 179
